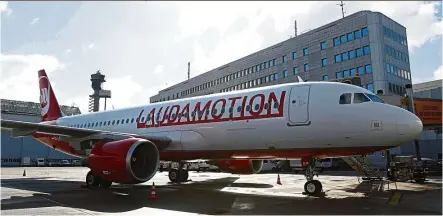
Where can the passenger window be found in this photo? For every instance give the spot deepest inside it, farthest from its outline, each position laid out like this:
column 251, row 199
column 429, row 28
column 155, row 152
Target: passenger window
column 239, row 109
column 118, row 121
column 360, row 98
column 113, row 122
column 345, row 98
column 266, row 106
column 127, row 121
column 132, row 120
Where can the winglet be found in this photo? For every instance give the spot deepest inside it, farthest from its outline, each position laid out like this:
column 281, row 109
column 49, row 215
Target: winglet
column 50, row 107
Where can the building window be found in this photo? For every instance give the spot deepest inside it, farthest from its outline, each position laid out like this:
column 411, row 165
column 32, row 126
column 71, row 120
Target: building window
column 305, row 51
column 285, row 58
column 353, row 72
column 390, row 87
column 339, row 75
column 324, row 62
column 295, row 70
column 266, row 66
column 352, row 54
column 323, row 45
column 388, row 68
column 276, row 76
column 370, row 87
column 275, row 62
column 343, row 39
column 344, row 56
column 306, row 67
column 364, row 32
column 345, row 73
column 285, row 73
column 350, row 36
column 357, row 34
column 325, row 77
column 359, row 52
column 294, row 55
column 368, row 68
column 366, row 50
column 360, row 70
column 337, row 58
column 336, row 41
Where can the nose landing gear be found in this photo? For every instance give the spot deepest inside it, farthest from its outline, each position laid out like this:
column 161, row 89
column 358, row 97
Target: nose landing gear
column 312, row 187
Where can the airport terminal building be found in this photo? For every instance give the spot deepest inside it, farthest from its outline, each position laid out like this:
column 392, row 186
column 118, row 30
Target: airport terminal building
column 13, row 150
column 368, row 43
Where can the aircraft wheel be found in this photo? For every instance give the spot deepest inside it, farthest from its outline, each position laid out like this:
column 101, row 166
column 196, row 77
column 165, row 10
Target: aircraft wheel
column 173, row 175
column 105, row 184
column 184, row 175
column 92, row 180
column 313, row 187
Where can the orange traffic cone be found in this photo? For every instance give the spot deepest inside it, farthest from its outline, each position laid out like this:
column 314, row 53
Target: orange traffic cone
column 153, row 196
column 278, row 179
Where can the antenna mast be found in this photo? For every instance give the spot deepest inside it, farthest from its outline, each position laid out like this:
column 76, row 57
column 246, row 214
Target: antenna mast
column 342, row 8
column 189, row 70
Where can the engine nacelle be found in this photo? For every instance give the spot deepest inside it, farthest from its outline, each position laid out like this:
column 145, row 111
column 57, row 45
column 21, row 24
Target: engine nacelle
column 240, row 166
column 129, row 161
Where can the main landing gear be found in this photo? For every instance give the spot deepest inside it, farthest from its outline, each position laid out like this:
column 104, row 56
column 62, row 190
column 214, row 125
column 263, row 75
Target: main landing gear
column 180, row 174
column 312, row 187
column 95, row 181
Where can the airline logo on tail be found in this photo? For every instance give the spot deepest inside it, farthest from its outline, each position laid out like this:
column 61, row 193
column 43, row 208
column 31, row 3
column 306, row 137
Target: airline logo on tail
column 45, row 100
column 50, row 108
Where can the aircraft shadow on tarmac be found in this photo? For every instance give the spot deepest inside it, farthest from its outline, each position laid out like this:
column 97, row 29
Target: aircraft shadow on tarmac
column 202, row 197
column 207, row 199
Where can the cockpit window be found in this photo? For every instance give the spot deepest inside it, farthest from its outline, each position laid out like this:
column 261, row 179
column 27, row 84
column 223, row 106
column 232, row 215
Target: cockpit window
column 345, row 98
column 360, row 98
column 375, row 98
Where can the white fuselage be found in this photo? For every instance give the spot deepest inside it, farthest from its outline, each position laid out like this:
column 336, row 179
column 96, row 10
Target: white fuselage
column 289, row 116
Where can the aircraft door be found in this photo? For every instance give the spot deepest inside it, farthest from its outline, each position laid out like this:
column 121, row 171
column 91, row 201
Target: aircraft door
column 299, row 105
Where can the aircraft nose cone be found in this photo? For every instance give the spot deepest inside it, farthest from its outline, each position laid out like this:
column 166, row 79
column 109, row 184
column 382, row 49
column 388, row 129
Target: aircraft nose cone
column 409, row 126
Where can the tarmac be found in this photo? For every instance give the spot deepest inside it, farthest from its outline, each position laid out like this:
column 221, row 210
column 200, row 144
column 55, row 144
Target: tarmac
column 59, row 191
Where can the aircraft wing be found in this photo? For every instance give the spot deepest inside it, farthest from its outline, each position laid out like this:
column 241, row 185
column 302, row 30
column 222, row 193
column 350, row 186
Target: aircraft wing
column 20, row 128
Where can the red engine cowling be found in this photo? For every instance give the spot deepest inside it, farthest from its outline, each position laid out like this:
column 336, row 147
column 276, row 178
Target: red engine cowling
column 129, row 161
column 240, row 166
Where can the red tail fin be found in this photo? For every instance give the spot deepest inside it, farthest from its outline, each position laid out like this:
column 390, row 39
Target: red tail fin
column 50, row 108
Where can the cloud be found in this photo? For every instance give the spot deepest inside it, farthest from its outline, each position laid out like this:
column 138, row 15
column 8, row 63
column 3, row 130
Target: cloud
column 34, row 21
column 149, row 44
column 438, row 74
column 4, row 9
column 19, row 79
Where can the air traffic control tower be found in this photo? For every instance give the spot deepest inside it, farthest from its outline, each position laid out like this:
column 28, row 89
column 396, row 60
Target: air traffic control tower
column 97, row 81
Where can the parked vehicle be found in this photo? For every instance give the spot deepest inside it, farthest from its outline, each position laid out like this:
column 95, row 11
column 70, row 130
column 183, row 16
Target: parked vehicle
column 64, row 163
column 40, row 162
column 26, row 161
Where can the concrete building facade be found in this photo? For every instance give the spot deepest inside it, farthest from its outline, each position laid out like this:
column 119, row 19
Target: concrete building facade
column 368, row 43
column 431, row 89
column 13, row 150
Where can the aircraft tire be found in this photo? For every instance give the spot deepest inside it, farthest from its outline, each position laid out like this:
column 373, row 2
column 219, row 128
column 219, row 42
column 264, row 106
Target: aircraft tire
column 184, row 175
column 105, row 184
column 174, row 175
column 92, row 180
column 313, row 187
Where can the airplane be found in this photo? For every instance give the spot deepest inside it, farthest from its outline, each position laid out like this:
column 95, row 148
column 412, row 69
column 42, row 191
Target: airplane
column 237, row 130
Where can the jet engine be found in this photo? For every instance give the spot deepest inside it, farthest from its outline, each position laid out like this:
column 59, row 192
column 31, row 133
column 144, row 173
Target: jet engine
column 128, row 161
column 240, row 166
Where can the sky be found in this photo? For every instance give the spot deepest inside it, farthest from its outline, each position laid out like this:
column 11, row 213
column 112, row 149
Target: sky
column 143, row 47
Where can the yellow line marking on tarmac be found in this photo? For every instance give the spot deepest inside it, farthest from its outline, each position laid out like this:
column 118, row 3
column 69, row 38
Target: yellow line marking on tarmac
column 395, row 199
